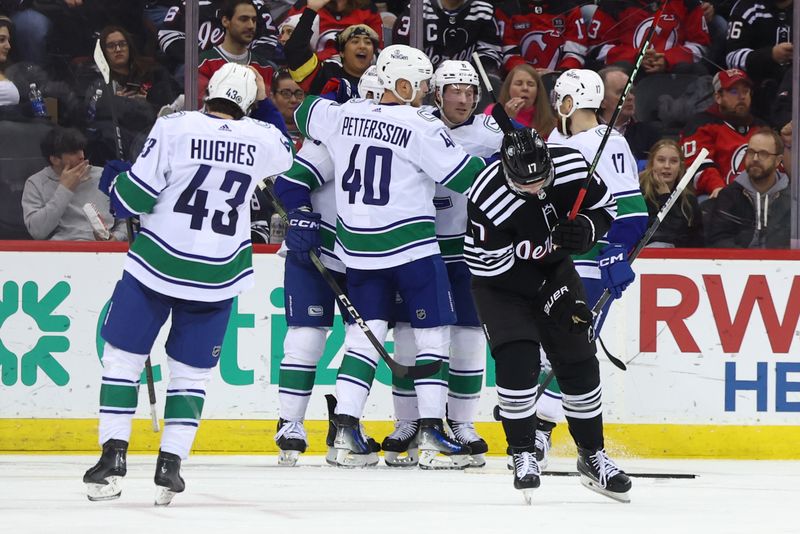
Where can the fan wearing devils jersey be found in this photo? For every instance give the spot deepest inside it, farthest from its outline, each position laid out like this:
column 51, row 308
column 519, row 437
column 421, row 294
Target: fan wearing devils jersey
column 547, row 35
column 724, row 129
column 337, row 15
column 454, row 29
column 681, row 38
column 210, row 32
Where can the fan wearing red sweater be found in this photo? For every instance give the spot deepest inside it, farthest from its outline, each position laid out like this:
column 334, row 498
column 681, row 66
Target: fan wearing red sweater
column 680, row 41
column 546, row 35
column 724, row 129
column 338, row 15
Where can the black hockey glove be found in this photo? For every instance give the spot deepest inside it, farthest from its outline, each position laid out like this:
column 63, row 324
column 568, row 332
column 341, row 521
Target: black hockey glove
column 575, row 236
column 559, row 304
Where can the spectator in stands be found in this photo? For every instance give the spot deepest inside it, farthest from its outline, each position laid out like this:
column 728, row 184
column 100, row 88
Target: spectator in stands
column 239, row 18
column 53, row 198
column 545, row 34
column 759, row 43
column 454, row 29
column 132, row 76
column 9, row 95
column 754, row 211
column 211, row 32
column 786, row 137
column 357, row 46
column 683, row 225
column 640, row 135
column 724, row 129
column 287, row 95
column 679, row 44
column 285, row 30
column 525, row 100
column 336, row 15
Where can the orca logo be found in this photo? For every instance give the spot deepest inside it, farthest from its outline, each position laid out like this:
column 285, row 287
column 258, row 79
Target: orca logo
column 315, row 310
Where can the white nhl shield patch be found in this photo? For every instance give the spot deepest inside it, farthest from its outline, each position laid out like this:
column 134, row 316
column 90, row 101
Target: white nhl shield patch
column 421, row 314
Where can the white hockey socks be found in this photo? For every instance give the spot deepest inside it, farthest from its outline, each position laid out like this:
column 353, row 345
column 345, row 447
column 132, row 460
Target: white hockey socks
column 119, row 392
column 432, row 344
column 404, row 396
column 302, row 350
column 186, row 394
column 467, row 364
column 358, row 367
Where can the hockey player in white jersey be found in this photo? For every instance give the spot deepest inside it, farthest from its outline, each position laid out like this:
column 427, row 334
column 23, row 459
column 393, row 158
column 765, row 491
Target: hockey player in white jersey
column 387, row 158
column 456, row 95
column 190, row 187
column 309, row 302
column 577, row 95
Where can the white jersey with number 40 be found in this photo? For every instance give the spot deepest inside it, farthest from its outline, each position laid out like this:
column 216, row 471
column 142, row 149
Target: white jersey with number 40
column 191, row 185
column 386, row 160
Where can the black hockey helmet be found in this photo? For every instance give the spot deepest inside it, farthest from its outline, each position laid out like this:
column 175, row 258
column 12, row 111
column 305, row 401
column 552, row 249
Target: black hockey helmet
column 526, row 159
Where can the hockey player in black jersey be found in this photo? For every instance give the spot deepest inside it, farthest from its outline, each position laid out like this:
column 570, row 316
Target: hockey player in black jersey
column 528, row 294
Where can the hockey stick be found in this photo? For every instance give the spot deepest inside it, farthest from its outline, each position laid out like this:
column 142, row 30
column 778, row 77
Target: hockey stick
column 498, row 112
column 597, row 310
column 631, row 78
column 102, row 65
column 399, row 370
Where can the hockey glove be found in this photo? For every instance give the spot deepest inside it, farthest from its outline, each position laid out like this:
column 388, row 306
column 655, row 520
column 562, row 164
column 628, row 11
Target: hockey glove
column 560, row 305
column 575, row 236
column 110, row 171
column 302, row 233
column 615, row 271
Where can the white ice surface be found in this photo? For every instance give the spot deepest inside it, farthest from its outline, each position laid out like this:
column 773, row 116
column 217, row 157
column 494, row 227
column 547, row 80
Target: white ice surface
column 228, row 494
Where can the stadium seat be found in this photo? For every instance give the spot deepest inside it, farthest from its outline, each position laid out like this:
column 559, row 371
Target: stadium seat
column 20, row 157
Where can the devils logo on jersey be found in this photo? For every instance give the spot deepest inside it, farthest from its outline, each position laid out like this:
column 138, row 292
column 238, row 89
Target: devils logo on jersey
column 542, row 48
column 665, row 36
column 737, row 163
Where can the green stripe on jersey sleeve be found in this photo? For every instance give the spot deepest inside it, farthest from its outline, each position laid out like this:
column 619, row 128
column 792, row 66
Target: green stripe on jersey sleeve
column 593, row 252
column 451, row 246
column 385, row 241
column 137, row 198
column 301, row 114
column 169, row 264
column 463, row 179
column 633, row 204
column 302, row 175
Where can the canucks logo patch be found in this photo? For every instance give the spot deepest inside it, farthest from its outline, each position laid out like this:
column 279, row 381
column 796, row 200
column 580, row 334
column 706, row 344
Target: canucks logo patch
column 315, row 311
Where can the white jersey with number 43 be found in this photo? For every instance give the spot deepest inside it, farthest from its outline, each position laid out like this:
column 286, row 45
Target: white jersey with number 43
column 387, row 159
column 191, row 186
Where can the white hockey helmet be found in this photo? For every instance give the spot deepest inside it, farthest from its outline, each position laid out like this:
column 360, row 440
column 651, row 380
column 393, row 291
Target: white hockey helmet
column 402, row 62
column 236, row 83
column 369, row 83
column 584, row 86
column 452, row 72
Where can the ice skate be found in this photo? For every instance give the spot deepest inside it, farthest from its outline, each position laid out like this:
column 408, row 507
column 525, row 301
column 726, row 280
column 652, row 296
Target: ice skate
column 168, row 478
column 526, row 472
column 599, row 473
column 400, row 448
column 544, row 431
column 353, row 448
column 437, row 450
column 104, row 480
column 292, row 441
column 330, row 456
column 465, row 434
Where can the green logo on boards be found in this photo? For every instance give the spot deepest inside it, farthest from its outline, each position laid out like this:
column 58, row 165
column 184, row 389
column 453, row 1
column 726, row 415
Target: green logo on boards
column 41, row 309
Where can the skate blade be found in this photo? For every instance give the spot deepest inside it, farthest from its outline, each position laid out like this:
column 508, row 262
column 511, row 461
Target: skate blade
column 595, row 487
column 164, row 496
column 105, row 492
column 330, row 457
column 432, row 459
column 349, row 460
column 527, row 494
column 398, row 459
column 476, row 460
column 288, row 458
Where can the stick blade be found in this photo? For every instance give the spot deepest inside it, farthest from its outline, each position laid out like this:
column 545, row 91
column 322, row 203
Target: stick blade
column 418, row 371
column 100, row 61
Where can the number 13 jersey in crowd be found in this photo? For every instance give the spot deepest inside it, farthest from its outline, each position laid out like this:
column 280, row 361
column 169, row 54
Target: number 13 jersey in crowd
column 387, row 159
column 192, row 185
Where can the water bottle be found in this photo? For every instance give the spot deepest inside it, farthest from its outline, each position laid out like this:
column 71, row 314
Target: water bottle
column 37, row 102
column 91, row 109
column 277, row 229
